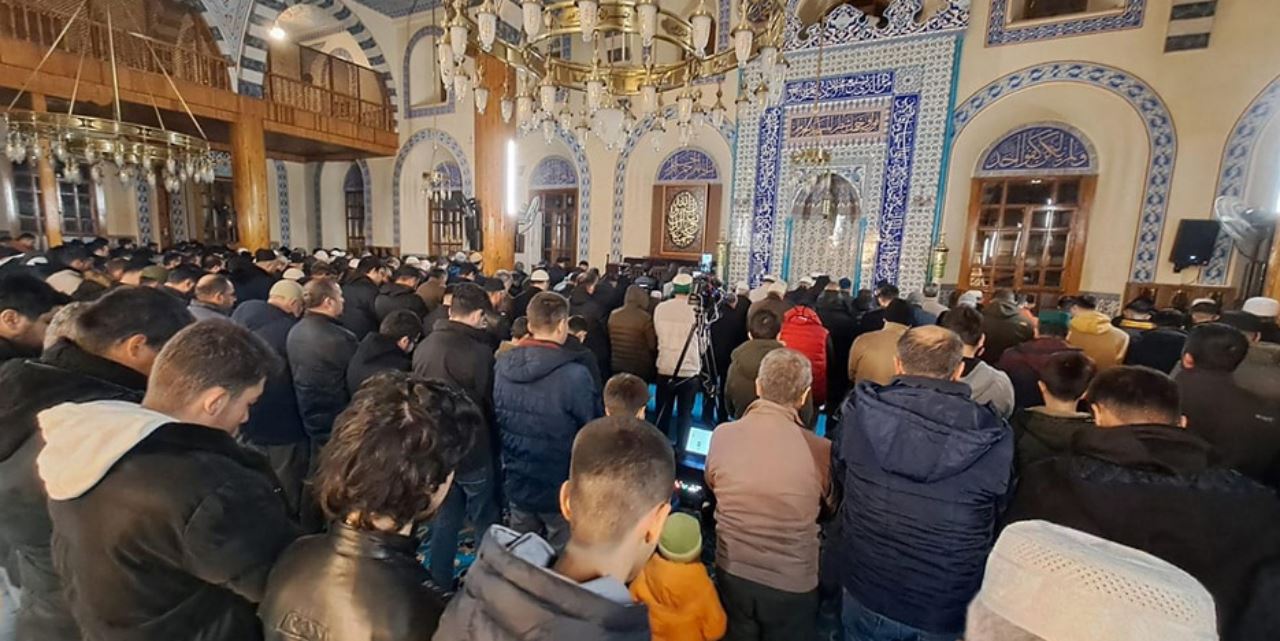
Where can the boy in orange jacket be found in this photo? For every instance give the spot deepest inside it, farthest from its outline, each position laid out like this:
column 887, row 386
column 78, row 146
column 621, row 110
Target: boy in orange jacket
column 683, row 604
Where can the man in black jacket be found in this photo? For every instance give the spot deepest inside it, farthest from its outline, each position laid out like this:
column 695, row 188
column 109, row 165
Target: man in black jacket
column 460, row 352
column 585, row 302
column 163, row 526
column 26, row 306
column 401, row 293
column 1141, row 480
column 253, row 281
column 389, row 349
column 836, row 311
column 1243, row 428
column 1159, row 348
column 537, row 284
column 320, row 349
column 361, row 295
column 118, row 339
column 275, row 424
column 362, row 578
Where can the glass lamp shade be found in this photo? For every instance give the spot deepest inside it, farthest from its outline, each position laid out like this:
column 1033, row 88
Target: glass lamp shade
column 701, row 23
column 487, row 26
column 461, row 83
column 458, row 40
column 717, row 115
column 648, row 99
column 547, row 96
column 595, row 93
column 684, row 108
column 769, row 56
column 548, row 130
column 648, row 13
column 482, row 98
column 655, row 136
column 531, row 11
column 610, row 125
column 507, row 108
column 743, row 38
column 524, row 110
column 580, row 132
column 445, row 54
column 588, row 14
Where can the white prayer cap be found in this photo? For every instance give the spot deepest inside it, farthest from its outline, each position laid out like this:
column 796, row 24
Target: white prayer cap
column 1262, row 307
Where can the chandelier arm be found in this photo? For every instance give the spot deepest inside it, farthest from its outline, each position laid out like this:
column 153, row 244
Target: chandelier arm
column 115, row 78
column 47, row 53
column 159, row 117
column 75, row 89
column 156, row 57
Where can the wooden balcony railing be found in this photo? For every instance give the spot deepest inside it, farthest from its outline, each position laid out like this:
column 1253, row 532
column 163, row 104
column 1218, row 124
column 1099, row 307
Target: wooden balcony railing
column 41, row 26
column 312, row 97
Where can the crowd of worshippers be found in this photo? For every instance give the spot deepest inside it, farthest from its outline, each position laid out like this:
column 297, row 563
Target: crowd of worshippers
column 216, row 445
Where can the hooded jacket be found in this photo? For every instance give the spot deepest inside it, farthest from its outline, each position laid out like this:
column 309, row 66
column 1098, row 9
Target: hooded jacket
column 1023, row 364
column 1159, row 348
column 540, row 400
column 375, row 354
column 591, row 306
column 358, row 315
column 394, row 296
column 320, row 350
column 462, row 355
column 633, row 338
column 64, row 373
column 740, row 382
column 1041, row 434
column 275, row 418
column 871, row 357
column 349, row 585
column 1005, row 326
column 1243, row 428
column 682, row 600
column 925, row 473
column 802, row 331
column 162, row 530
column 988, row 385
column 836, row 312
column 511, row 594
column 1155, row 488
column 1105, row 343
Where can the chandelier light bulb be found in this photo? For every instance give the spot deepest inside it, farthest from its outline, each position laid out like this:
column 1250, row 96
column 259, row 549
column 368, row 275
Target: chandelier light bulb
column 743, row 38
column 548, row 130
column 531, row 11
column 482, row 98
column 95, row 172
column 700, row 22
column 487, row 24
column 507, row 108
column 769, row 56
column 524, row 110
column 648, row 99
column 444, row 56
column 595, row 93
column 90, row 156
column 647, row 11
column 580, row 132
column 458, row 39
column 684, row 107
column 460, row 85
column 588, row 16
column 547, row 96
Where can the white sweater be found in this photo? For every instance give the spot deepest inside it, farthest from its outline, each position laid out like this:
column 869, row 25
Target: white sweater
column 672, row 321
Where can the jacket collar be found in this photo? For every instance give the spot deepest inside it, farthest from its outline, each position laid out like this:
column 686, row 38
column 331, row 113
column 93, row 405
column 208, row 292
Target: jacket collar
column 464, row 329
column 67, row 355
column 350, row 541
column 936, row 384
column 893, row 327
column 1162, row 449
column 761, row 408
column 530, row 341
column 204, row 305
column 186, row 436
column 10, row 350
column 321, row 317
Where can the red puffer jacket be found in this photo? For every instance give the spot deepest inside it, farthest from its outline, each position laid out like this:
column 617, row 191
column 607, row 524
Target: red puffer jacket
column 802, row 331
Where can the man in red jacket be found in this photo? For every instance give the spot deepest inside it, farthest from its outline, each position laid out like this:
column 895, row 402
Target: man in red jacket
column 802, row 331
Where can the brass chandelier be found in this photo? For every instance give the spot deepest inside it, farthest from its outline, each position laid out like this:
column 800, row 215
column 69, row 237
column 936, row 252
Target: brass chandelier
column 618, row 87
column 137, row 150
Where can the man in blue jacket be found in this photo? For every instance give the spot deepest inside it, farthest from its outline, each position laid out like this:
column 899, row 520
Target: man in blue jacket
column 542, row 396
column 925, row 473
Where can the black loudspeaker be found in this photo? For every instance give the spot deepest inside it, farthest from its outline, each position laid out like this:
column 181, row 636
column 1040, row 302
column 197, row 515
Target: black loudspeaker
column 1194, row 243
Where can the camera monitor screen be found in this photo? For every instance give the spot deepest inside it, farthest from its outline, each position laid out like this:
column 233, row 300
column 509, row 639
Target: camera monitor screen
column 698, row 442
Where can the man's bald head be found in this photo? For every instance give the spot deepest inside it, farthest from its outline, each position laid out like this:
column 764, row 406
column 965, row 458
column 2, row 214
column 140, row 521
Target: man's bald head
column 216, row 290
column 930, row 352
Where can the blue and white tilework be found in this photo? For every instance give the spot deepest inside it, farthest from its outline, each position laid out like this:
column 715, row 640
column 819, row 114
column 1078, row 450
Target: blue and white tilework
column 178, row 215
column 451, row 146
column 142, row 193
column 400, row 8
column 1001, row 32
column 880, row 69
column 368, row 199
column 282, row 203
column 1038, row 149
column 846, row 25
column 688, row 165
column 727, row 131
column 411, row 111
column 226, row 20
column 553, row 172
column 1150, row 107
column 315, row 170
column 452, row 175
column 221, row 163
column 1233, row 178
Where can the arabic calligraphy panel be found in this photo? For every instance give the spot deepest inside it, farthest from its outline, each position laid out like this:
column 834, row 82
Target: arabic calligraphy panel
column 847, row 126
column 1042, row 148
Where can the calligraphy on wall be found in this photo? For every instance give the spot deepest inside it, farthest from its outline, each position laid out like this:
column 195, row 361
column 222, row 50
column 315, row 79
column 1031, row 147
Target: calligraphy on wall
column 1039, row 149
column 686, row 220
column 836, row 127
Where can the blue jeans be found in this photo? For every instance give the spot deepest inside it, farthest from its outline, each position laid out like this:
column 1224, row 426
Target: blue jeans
column 861, row 624
column 471, row 497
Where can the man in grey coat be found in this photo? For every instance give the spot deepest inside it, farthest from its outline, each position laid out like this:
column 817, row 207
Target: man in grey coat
column 988, row 384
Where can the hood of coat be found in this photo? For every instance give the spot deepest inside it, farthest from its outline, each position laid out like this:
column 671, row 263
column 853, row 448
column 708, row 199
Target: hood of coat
column 84, row 440
column 532, row 362
column 1002, row 309
column 926, row 429
column 636, row 297
column 1054, row 430
column 979, row 376
column 802, row 315
column 394, row 290
column 516, row 589
column 1091, row 322
column 1162, row 449
column 376, row 348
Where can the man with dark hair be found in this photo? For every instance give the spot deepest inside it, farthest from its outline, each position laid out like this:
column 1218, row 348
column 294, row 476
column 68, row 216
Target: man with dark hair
column 542, row 398
column 119, row 337
column 1203, row 310
column 1260, row 371
column 1004, row 324
column 320, row 349
column 767, row 469
column 215, row 298
column 253, row 279
column 1046, row 430
column 1159, row 348
column 26, row 306
column 987, row 384
column 925, row 471
column 871, row 356
column 390, row 349
column 1023, row 362
column 626, row 395
column 763, row 328
column 586, row 303
column 378, row 477
column 1140, row 479
column 539, row 281
column 1242, row 427
column 460, row 352
column 163, row 526
column 431, row 291
column 616, row 500
column 835, row 308
column 181, row 282
column 401, row 293
column 575, row 343
column 1092, row 331
column 874, row 320
column 68, row 265
column 361, row 295
column 25, row 242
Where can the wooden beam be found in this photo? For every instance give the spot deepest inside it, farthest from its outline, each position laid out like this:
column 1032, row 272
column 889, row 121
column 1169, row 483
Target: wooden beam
column 491, row 136
column 50, row 196
column 249, row 180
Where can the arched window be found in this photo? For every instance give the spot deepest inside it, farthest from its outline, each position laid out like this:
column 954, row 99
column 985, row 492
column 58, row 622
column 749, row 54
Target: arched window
column 446, row 210
column 555, row 184
column 79, row 218
column 686, row 206
column 1028, row 212
column 353, row 193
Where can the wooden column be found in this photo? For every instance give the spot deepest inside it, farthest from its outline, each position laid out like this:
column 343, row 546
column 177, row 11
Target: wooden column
column 1271, row 286
column 249, row 180
column 50, row 196
column 492, row 134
